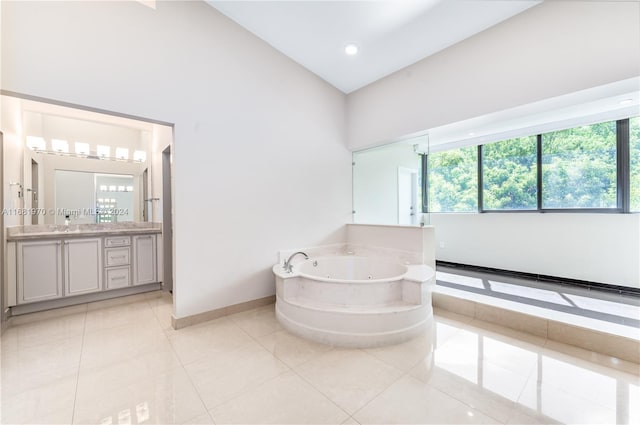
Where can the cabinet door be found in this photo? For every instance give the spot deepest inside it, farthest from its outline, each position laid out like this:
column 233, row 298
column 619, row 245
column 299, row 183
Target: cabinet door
column 144, row 259
column 83, row 266
column 39, row 271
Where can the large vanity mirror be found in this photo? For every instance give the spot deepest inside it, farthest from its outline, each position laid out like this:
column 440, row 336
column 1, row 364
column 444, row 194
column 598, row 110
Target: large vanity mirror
column 84, row 197
column 83, row 167
column 387, row 183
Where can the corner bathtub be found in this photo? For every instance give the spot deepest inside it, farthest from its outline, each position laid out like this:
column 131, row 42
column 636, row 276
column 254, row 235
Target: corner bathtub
column 354, row 301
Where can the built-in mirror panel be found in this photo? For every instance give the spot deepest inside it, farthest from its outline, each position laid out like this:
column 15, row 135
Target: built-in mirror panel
column 387, row 183
column 85, row 197
column 66, row 154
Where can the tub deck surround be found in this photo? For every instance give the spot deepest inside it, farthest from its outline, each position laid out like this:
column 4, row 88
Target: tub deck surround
column 40, row 231
column 339, row 300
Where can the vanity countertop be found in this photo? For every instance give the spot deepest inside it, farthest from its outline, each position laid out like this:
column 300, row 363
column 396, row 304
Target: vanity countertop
column 48, row 231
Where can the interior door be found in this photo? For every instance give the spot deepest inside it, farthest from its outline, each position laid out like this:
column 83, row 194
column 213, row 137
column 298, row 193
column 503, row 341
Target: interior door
column 407, row 196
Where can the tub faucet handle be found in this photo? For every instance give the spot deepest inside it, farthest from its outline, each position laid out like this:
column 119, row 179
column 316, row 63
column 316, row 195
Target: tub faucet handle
column 288, row 267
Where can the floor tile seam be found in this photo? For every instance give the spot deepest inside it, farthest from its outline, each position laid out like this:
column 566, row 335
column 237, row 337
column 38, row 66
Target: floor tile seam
column 194, row 386
column 91, row 332
column 326, row 396
column 462, row 401
column 75, row 396
column 236, row 347
column 532, row 375
column 276, row 356
column 413, row 365
column 17, row 349
column 403, row 374
column 153, row 309
column 253, row 387
column 565, row 392
column 169, row 371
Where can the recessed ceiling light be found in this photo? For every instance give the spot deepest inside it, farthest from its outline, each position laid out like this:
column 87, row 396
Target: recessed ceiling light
column 471, row 133
column 351, row 49
column 626, row 102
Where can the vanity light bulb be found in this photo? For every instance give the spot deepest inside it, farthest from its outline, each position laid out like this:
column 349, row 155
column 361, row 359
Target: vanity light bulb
column 122, row 153
column 82, row 148
column 120, row 188
column 103, row 151
column 36, row 143
column 129, row 188
column 61, row 146
column 139, row 156
column 112, row 188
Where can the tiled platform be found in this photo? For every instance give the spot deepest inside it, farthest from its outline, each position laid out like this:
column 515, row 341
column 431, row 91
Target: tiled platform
column 598, row 321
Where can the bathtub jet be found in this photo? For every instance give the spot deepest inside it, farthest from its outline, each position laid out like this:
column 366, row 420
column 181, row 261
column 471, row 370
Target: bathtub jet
column 353, row 301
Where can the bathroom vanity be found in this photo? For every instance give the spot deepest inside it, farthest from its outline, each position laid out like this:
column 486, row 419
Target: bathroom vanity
column 54, row 266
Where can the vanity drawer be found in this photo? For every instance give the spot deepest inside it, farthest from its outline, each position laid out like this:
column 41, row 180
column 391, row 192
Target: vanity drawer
column 117, row 277
column 117, row 241
column 117, row 256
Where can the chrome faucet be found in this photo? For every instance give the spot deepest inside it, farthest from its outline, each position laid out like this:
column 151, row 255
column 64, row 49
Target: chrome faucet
column 288, row 267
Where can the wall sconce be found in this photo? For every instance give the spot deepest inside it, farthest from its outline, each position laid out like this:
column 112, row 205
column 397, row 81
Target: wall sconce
column 82, row 149
column 60, row 146
column 103, row 151
column 36, row 143
column 122, row 153
column 139, row 156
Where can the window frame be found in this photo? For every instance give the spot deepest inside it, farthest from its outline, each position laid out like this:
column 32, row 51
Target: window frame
column 623, row 180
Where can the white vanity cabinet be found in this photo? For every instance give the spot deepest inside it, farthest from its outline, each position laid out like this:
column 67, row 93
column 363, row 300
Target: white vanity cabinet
column 39, row 271
column 82, row 266
column 144, row 259
column 54, row 269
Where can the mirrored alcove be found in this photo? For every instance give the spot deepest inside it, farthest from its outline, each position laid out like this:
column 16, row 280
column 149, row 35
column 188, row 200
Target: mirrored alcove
column 92, row 166
column 387, row 183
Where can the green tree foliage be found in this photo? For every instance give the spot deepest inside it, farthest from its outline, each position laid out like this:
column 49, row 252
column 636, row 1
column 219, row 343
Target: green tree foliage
column 579, row 167
column 509, row 175
column 634, row 140
column 579, row 170
column 453, row 180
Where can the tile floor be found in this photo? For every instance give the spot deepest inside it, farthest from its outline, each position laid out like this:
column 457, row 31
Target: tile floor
column 119, row 362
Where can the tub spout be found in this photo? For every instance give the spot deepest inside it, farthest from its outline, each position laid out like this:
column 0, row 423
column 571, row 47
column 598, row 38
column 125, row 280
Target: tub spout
column 288, row 267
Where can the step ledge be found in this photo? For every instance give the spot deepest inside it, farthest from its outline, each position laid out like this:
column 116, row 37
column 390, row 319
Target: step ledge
column 611, row 344
column 351, row 309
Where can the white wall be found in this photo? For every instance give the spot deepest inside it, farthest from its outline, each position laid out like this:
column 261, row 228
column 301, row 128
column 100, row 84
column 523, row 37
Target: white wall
column 552, row 49
column 375, row 182
column 75, row 130
column 11, row 121
column 549, row 50
column 259, row 153
column 161, row 138
column 601, row 248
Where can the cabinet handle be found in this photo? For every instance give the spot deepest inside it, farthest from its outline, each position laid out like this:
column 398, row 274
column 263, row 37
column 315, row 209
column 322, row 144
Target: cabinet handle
column 118, row 278
column 119, row 256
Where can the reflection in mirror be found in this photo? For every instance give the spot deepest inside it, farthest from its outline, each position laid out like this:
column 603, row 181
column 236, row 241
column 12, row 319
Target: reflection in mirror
column 84, row 197
column 387, row 183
